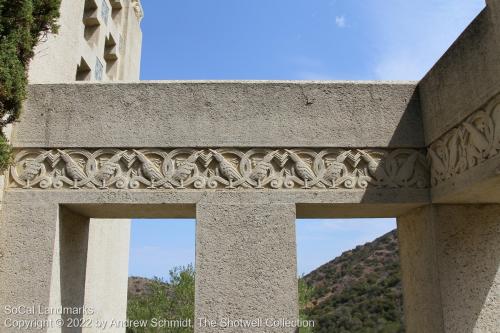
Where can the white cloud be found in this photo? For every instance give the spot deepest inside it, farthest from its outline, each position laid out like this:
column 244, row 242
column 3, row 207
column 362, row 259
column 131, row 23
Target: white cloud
column 340, row 21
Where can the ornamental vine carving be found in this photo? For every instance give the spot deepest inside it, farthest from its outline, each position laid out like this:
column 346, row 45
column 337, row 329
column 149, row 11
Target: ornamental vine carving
column 468, row 145
column 228, row 168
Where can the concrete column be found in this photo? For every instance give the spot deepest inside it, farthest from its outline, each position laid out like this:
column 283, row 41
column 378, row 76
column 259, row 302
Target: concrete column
column 107, row 272
column 69, row 282
column 27, row 234
column 42, row 264
column 245, row 265
column 450, row 257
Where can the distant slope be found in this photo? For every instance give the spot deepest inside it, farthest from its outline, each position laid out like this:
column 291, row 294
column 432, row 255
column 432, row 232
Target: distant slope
column 360, row 291
column 138, row 286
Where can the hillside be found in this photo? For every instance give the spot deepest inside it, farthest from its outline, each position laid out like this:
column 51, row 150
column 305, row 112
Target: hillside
column 359, row 291
column 138, row 286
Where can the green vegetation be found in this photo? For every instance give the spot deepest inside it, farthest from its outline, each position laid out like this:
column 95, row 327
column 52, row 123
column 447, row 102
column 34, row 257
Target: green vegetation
column 172, row 300
column 22, row 24
column 305, row 296
column 360, row 291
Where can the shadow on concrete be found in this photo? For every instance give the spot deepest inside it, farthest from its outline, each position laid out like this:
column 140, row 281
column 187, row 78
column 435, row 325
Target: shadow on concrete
column 73, row 244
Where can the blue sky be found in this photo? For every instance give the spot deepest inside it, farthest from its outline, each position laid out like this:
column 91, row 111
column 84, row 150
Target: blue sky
column 159, row 245
column 288, row 40
column 299, row 39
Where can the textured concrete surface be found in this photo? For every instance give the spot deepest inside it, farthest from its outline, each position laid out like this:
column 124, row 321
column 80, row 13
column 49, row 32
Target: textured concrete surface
column 165, row 203
column 56, row 60
column 419, row 271
column 450, row 264
column 245, row 252
column 245, row 264
column 27, row 232
column 465, row 78
column 107, row 272
column 468, row 239
column 71, row 254
column 29, row 225
column 229, row 114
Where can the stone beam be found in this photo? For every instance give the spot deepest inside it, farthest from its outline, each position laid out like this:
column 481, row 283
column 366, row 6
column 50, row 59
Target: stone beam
column 181, row 203
column 460, row 98
column 221, row 114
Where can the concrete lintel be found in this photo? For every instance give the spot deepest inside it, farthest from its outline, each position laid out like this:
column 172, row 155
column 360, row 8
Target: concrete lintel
column 221, row 114
column 180, row 204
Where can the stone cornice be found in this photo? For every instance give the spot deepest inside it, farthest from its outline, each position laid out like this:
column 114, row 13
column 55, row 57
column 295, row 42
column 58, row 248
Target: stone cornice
column 258, row 168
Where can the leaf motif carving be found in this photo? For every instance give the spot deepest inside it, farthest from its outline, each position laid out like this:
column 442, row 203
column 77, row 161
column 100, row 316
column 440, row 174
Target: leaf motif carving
column 259, row 168
column 467, row 145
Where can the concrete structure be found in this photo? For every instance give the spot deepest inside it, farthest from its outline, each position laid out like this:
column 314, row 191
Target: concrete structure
column 98, row 40
column 257, row 155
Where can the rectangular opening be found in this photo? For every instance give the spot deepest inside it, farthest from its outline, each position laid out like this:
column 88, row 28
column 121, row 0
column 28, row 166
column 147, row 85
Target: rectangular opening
column 348, row 269
column 349, row 275
column 161, row 274
column 93, row 258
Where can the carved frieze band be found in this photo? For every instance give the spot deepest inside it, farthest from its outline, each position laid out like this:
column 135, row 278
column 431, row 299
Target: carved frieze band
column 471, row 143
column 226, row 168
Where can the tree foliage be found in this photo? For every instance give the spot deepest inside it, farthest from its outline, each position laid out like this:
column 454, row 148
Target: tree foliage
column 22, row 24
column 305, row 297
column 358, row 292
column 165, row 300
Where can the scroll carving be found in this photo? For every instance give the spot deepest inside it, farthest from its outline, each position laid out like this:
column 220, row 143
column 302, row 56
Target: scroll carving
column 227, row 168
column 476, row 140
